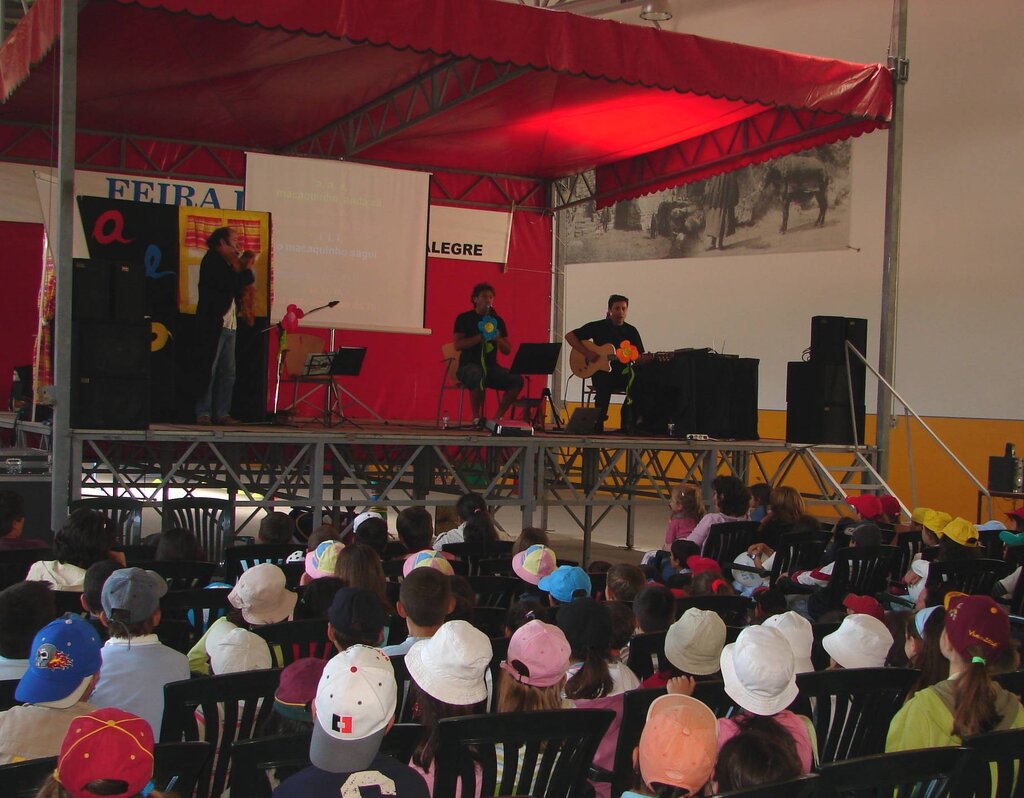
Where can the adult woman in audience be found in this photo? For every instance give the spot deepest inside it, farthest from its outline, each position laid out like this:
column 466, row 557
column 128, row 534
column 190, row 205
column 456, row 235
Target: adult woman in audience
column 84, row 538
column 785, row 510
column 976, row 633
column 730, row 501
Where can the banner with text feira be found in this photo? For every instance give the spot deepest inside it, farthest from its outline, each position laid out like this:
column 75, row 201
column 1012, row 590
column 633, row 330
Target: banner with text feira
column 468, row 234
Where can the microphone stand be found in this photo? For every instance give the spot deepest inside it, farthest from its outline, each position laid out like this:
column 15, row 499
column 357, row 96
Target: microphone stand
column 281, row 352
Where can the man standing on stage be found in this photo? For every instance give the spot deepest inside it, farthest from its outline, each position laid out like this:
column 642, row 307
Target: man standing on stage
column 612, row 329
column 221, row 281
column 480, row 334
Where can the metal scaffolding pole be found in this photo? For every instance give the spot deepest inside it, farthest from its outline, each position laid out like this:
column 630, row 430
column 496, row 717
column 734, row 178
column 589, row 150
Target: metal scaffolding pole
column 890, row 265
column 62, row 466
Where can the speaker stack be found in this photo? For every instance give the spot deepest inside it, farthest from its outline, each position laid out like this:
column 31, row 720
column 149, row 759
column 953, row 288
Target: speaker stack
column 110, row 346
column 818, row 393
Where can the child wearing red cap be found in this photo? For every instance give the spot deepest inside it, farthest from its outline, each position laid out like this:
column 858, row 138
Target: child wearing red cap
column 108, row 752
column 977, row 631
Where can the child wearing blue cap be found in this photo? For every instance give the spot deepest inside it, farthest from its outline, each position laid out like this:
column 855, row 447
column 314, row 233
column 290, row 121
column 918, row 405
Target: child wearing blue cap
column 64, row 664
column 565, row 583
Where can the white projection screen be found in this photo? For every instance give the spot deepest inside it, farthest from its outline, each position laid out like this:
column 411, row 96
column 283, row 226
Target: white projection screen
column 344, row 231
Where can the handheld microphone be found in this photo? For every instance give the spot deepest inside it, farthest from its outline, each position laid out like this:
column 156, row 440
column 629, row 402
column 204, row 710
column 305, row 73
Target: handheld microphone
column 333, row 302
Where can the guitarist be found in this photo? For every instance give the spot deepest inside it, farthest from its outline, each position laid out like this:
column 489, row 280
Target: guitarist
column 612, row 329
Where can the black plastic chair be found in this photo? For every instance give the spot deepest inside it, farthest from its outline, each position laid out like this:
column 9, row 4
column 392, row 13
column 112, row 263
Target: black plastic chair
column 199, row 607
column 647, row 653
column 820, row 658
column 635, row 704
column 800, row 787
column 797, row 551
column 183, row 763
column 727, row 539
column 292, row 640
column 291, row 557
column 23, row 779
column 998, row 764
column 711, row 693
column 176, row 633
column 909, row 545
column 546, row 754
column 496, row 591
column 489, row 620
column 212, row 521
column 471, row 555
column 68, row 601
column 863, row 570
column 182, row 574
column 233, row 706
column 734, row 610
column 925, row 773
column 975, row 577
column 125, row 513
column 135, row 553
column 7, row 699
column 14, row 564
column 1012, row 681
column 852, row 709
column 403, row 712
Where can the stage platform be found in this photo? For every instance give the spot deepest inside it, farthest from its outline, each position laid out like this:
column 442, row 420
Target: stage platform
column 405, row 463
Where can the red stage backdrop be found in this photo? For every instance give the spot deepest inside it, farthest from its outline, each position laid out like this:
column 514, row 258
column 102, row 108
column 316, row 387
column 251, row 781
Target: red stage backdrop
column 22, row 270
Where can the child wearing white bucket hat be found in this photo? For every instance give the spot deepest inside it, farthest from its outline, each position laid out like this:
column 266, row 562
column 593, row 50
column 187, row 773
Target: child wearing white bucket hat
column 760, row 676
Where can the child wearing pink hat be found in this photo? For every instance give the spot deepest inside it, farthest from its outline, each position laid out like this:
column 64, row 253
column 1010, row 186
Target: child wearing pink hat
column 976, row 633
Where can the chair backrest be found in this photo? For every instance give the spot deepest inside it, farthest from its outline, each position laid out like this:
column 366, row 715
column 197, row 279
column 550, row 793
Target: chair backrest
column 852, row 709
column 68, row 601
column 233, row 707
column 820, row 658
column 125, row 513
column 909, row 544
column 489, row 620
column 199, row 607
column 727, row 539
column 998, row 764
column 975, row 577
column 797, row 551
column 924, row 773
column 182, row 574
column 734, row 610
column 495, row 566
column 635, row 704
column 14, row 564
column 403, row 712
column 545, row 753
column 291, row 557
column 183, row 763
column 134, row 553
column 23, row 779
column 711, row 693
column 647, row 652
column 292, row 640
column 7, row 699
column 176, row 633
column 301, row 345
column 863, row 570
column 252, row 761
column 471, row 555
column 991, row 544
column 450, row 359
column 212, row 521
column 496, row 591
column 1012, row 681
column 800, row 787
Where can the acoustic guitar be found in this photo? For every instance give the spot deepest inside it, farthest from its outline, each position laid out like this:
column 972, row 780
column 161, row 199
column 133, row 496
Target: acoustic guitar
column 605, row 357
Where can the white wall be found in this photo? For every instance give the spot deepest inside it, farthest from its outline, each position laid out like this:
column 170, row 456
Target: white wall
column 961, row 298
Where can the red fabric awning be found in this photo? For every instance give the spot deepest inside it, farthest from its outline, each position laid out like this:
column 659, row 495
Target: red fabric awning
column 451, row 85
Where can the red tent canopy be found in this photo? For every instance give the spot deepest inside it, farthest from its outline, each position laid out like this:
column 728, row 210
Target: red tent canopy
column 446, row 85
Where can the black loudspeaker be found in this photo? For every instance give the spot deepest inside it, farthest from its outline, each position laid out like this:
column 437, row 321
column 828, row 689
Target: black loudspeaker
column 110, row 375
column 818, row 404
column 1006, row 474
column 829, row 335
column 110, row 348
column 108, row 290
column 110, row 402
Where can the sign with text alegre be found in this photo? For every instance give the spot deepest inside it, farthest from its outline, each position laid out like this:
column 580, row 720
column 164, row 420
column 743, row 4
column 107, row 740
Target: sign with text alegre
column 468, row 234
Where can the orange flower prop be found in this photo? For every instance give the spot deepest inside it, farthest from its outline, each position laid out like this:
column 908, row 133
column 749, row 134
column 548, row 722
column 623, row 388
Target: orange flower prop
column 627, row 353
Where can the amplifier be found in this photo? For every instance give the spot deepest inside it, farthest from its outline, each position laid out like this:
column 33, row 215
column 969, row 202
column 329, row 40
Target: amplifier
column 1006, row 474
column 511, row 429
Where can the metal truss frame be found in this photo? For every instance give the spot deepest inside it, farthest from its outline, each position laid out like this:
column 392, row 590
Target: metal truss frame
column 591, row 479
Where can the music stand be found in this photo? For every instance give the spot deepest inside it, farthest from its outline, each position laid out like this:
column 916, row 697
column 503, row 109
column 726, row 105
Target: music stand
column 325, row 368
column 540, row 360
